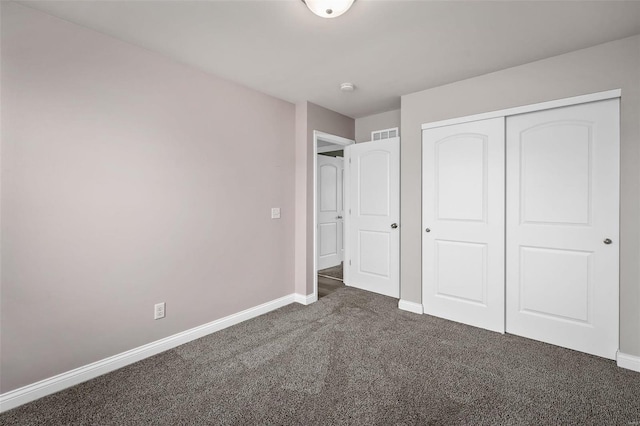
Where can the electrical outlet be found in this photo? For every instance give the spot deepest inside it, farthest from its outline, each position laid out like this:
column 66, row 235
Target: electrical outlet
column 275, row 213
column 158, row 310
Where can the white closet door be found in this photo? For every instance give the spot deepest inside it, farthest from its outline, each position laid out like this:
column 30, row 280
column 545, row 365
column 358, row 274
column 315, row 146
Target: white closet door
column 463, row 223
column 562, row 226
column 373, row 212
column 330, row 211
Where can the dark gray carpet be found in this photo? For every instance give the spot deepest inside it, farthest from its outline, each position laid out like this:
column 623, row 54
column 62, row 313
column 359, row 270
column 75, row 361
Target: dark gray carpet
column 333, row 272
column 351, row 358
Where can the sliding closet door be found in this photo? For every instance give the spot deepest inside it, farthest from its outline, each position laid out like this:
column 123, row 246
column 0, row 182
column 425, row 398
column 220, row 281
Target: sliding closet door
column 463, row 223
column 562, row 226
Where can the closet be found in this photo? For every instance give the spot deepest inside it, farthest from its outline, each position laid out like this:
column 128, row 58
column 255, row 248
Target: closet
column 521, row 222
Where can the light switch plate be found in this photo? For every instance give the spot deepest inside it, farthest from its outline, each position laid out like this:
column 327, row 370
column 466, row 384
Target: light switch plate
column 275, row 213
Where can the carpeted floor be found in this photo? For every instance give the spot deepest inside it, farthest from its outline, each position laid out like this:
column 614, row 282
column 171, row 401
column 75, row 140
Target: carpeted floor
column 351, row 358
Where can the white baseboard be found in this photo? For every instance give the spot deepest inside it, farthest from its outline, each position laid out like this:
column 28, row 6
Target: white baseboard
column 405, row 305
column 54, row 384
column 630, row 362
column 305, row 300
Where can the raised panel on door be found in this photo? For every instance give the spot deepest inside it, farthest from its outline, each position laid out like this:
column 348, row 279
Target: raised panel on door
column 373, row 253
column 463, row 223
column 328, row 241
column 468, row 284
column 372, row 257
column 330, row 210
column 562, row 204
column 460, row 173
column 373, row 183
column 556, row 283
column 328, row 186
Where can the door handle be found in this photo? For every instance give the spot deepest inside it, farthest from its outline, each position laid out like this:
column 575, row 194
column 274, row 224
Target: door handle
column 427, row 230
column 394, row 225
column 338, row 217
column 607, row 241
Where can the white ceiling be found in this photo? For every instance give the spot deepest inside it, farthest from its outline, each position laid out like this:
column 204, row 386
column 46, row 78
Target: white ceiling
column 386, row 48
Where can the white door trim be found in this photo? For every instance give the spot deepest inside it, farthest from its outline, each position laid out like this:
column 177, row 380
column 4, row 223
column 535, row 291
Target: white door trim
column 557, row 103
column 337, row 140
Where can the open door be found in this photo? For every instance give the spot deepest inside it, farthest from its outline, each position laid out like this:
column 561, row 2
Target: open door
column 372, row 207
column 330, row 211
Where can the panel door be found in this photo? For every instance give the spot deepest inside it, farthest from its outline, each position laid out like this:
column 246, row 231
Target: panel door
column 330, row 211
column 373, row 211
column 562, row 226
column 463, row 223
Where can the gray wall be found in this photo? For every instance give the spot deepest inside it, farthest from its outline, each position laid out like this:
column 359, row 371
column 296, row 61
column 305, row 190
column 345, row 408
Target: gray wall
column 366, row 125
column 310, row 117
column 129, row 179
column 608, row 66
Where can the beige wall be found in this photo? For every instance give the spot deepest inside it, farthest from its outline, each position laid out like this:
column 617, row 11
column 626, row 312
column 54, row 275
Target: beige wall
column 608, row 66
column 366, row 125
column 129, row 179
column 310, row 117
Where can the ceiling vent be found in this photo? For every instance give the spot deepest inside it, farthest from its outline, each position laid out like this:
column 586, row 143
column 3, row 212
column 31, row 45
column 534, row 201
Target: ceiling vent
column 384, row 134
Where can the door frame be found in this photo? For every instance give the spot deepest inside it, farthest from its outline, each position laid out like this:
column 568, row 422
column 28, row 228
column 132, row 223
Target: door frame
column 336, row 140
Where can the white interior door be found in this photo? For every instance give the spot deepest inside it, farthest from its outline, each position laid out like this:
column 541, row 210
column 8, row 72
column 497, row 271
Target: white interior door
column 463, row 223
column 330, row 211
column 562, row 226
column 373, row 211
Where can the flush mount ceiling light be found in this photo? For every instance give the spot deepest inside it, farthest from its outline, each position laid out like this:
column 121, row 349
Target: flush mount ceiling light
column 328, row 8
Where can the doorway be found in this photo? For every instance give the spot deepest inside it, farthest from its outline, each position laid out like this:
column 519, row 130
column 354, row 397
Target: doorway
column 328, row 205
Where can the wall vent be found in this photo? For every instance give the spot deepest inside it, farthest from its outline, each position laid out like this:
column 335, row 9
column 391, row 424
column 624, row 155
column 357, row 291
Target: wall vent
column 384, row 134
